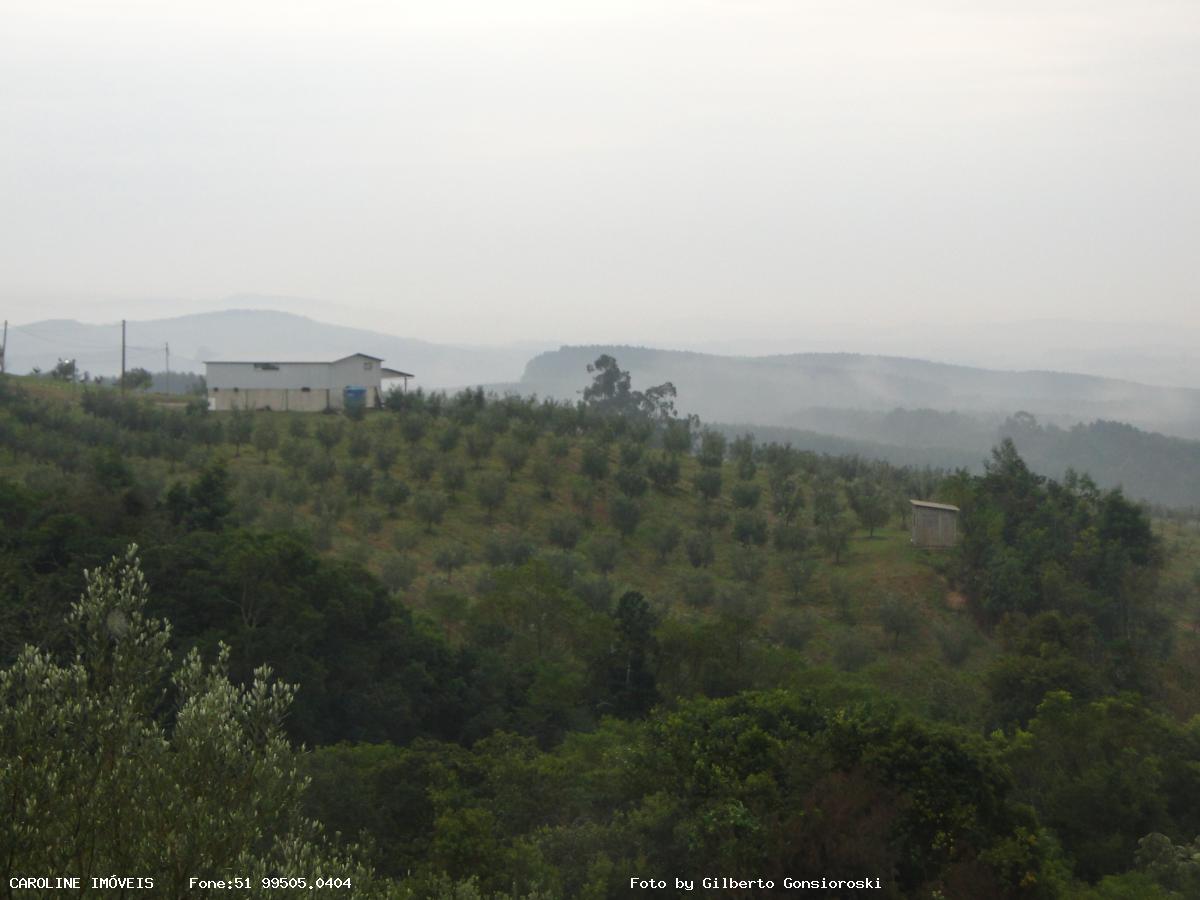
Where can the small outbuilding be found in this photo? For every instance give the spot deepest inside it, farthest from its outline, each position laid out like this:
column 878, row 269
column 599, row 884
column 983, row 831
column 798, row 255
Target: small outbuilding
column 356, row 379
column 934, row 524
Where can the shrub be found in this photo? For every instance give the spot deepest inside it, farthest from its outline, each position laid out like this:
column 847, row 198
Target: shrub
column 397, row 572
column 413, row 426
column 507, row 549
column 448, row 437
column 603, row 550
column 799, row 573
column 450, row 556
column 564, row 531
column 359, row 445
column 748, row 565
column 851, row 651
column 663, row 471
column 839, row 593
column 521, row 511
column 625, row 515
column 791, row 538
column 712, row 449
column 745, row 495
column 750, row 528
column 595, row 591
column 454, row 476
column 563, row 564
column 899, row 618
column 698, row 589
column 793, row 628
column 329, row 433
column 422, row 464
column 699, row 548
column 664, row 537
column 631, row 482
column 321, row 470
column 707, row 483
column 712, row 517
column 956, row 641
column 357, row 479
column 593, row 462
column 386, row 454
column 430, row 506
column 544, row 473
column 479, row 444
column 513, row 454
column 391, row 492
column 405, row 539
column 583, row 495
column 491, row 488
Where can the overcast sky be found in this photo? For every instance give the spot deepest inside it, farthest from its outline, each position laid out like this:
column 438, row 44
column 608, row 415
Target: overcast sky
column 594, row 170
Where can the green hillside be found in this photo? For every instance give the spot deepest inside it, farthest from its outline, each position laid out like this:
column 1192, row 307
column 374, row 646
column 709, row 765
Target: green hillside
column 542, row 647
column 829, row 391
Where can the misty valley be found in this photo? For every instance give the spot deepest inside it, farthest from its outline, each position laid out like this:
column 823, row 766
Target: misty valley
column 475, row 643
column 613, row 449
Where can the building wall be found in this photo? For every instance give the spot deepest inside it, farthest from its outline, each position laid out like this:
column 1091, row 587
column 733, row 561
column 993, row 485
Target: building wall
column 247, row 385
column 357, row 370
column 934, row 527
column 245, row 376
column 273, row 398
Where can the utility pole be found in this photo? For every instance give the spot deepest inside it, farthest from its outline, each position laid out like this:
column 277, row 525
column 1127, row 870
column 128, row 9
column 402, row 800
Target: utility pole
column 4, row 348
column 122, row 354
column 167, row 352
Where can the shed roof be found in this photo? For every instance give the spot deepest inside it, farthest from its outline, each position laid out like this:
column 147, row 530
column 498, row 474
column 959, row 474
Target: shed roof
column 289, row 362
column 396, row 373
column 926, row 504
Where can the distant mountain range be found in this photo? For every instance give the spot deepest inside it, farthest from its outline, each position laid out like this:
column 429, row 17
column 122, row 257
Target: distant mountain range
column 253, row 335
column 914, row 412
column 908, row 411
column 847, row 393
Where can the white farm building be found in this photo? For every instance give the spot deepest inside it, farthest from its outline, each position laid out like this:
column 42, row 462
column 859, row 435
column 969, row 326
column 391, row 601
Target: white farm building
column 301, row 386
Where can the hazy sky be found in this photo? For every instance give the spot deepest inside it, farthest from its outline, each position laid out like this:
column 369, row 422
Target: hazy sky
column 603, row 169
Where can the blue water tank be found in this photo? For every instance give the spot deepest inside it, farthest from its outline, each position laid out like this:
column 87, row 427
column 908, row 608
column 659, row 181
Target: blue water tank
column 354, row 395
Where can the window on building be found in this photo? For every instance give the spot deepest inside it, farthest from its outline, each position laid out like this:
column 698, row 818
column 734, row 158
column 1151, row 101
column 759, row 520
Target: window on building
column 267, row 367
column 305, row 390
column 368, row 365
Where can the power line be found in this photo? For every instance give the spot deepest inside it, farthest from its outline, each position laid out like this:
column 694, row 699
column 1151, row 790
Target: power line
column 107, row 350
column 24, row 329
column 60, row 341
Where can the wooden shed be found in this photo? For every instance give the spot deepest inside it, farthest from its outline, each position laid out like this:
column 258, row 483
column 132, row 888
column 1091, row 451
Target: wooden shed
column 934, row 524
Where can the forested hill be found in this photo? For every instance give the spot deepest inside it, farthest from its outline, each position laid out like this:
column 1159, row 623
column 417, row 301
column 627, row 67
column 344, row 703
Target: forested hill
column 1161, row 470
column 779, row 399
column 254, row 334
column 541, row 647
column 779, row 390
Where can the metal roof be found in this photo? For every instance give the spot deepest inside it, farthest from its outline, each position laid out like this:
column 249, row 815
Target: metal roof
column 396, row 373
column 926, row 504
column 288, row 362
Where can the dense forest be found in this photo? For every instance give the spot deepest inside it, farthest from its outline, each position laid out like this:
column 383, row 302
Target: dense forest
column 479, row 646
column 1156, row 468
column 912, row 412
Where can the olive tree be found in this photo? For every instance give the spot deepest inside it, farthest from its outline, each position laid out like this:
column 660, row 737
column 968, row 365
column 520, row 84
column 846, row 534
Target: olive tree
column 119, row 760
